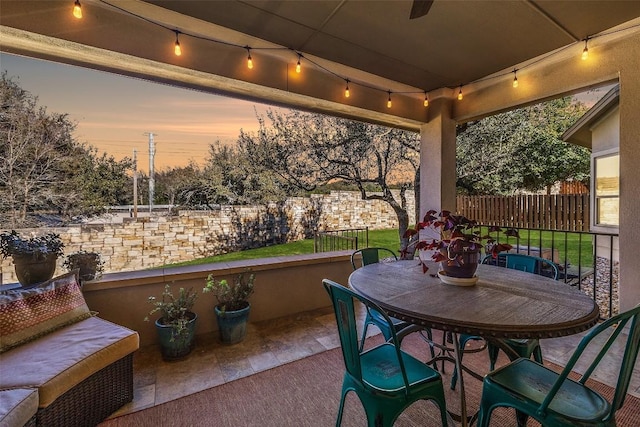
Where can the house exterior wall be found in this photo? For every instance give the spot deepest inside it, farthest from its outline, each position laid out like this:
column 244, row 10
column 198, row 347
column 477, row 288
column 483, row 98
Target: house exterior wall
column 606, row 133
column 605, row 139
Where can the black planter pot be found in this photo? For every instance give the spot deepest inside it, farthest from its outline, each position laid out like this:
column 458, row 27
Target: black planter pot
column 31, row 269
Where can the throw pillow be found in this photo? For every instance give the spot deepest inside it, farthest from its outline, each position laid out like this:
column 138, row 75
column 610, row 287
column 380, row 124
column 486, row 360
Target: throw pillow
column 26, row 314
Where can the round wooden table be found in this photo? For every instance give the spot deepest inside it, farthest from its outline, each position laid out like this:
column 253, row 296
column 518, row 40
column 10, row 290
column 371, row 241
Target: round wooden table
column 504, row 303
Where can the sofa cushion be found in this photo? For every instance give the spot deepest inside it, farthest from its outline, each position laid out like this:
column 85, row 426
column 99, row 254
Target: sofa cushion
column 26, row 314
column 18, row 406
column 56, row 362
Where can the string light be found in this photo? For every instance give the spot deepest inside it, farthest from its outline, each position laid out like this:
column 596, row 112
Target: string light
column 77, row 9
column 77, row 12
column 585, row 51
column 177, row 49
column 249, row 60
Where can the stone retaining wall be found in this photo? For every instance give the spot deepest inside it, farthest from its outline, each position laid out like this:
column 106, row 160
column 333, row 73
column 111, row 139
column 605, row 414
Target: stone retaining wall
column 142, row 243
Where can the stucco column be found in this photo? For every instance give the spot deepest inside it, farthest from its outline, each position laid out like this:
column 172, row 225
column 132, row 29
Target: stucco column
column 438, row 159
column 629, row 285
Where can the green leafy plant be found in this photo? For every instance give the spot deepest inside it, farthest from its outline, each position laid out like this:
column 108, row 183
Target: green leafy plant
column 11, row 243
column 457, row 233
column 174, row 310
column 85, row 261
column 231, row 297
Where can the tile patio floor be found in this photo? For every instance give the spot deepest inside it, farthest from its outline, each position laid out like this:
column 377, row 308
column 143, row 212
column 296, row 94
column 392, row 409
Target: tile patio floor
column 267, row 345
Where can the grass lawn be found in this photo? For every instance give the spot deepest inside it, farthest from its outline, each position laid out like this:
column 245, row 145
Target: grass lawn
column 384, row 238
column 389, row 239
column 572, row 246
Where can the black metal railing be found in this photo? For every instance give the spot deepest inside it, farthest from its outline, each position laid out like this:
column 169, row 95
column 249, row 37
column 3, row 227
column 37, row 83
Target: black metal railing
column 585, row 259
column 341, row 240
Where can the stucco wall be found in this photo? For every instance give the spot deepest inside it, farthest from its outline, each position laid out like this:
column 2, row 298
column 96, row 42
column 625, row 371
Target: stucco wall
column 283, row 286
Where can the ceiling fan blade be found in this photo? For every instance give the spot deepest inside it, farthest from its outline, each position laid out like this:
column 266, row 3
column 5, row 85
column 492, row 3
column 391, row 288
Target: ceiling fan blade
column 420, row 8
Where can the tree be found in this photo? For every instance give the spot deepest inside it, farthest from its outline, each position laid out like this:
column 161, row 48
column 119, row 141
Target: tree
column 231, row 178
column 521, row 150
column 44, row 168
column 98, row 180
column 304, row 150
column 29, row 142
column 180, row 185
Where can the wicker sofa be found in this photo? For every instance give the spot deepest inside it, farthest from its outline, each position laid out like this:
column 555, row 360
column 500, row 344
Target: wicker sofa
column 60, row 365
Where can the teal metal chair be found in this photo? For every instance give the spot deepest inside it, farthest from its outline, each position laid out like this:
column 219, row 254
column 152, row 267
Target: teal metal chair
column 530, row 264
column 522, row 347
column 367, row 256
column 386, row 379
column 554, row 399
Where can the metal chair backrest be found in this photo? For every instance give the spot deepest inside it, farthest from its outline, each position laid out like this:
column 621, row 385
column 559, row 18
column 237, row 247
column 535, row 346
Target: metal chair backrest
column 344, row 307
column 527, row 263
column 370, row 256
column 628, row 361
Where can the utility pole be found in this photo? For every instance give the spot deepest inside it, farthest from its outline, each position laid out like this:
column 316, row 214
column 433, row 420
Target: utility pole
column 135, row 183
column 152, row 183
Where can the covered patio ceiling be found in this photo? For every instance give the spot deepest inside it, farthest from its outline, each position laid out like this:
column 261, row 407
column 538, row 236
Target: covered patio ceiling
column 374, row 45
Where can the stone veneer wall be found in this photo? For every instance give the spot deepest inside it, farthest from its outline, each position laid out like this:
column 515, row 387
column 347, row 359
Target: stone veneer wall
column 142, row 243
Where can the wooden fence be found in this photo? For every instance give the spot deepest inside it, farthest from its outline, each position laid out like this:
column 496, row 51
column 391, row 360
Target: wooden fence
column 567, row 212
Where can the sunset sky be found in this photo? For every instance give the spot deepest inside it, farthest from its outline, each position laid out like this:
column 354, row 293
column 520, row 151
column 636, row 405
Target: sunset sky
column 113, row 113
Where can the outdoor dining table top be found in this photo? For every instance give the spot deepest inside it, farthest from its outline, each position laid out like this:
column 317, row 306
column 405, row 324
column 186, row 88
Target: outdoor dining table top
column 504, row 303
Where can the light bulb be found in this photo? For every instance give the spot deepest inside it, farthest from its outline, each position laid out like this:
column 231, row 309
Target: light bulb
column 515, row 79
column 585, row 52
column 77, row 9
column 298, row 67
column 177, row 49
column 346, row 91
column 426, row 100
column 460, row 95
column 249, row 61
column 389, row 101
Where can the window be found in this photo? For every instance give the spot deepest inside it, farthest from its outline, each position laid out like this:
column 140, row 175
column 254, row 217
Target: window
column 606, row 189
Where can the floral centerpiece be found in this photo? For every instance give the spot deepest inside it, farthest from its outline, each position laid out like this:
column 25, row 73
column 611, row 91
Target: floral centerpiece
column 458, row 242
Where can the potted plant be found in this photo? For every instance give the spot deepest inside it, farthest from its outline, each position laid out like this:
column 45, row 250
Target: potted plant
column 177, row 322
column 456, row 242
column 90, row 264
column 232, row 310
column 34, row 258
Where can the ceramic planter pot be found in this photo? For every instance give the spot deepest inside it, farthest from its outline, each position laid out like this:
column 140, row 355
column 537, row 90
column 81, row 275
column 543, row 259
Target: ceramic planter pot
column 461, row 264
column 87, row 263
column 174, row 346
column 32, row 269
column 232, row 325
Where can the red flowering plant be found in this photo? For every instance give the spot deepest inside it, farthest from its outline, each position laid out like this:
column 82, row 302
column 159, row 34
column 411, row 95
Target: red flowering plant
column 457, row 234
